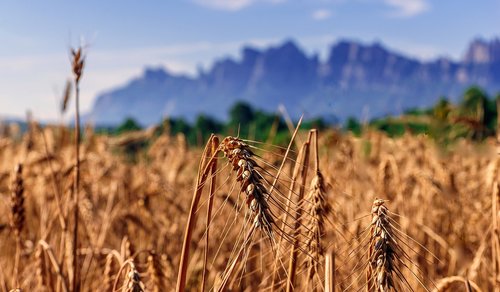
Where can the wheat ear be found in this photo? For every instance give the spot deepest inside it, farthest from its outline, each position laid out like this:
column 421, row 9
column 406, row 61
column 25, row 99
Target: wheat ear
column 108, row 273
column 382, row 250
column 240, row 157
column 17, row 216
column 155, row 273
column 319, row 210
column 132, row 282
column 445, row 283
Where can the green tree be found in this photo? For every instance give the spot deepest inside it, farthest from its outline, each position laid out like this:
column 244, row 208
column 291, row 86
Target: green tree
column 179, row 126
column 442, row 109
column 473, row 103
column 204, row 126
column 477, row 112
column 317, row 123
column 268, row 127
column 353, row 126
column 241, row 115
column 128, row 125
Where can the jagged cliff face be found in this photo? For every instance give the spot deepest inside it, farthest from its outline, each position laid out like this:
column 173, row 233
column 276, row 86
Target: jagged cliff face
column 355, row 78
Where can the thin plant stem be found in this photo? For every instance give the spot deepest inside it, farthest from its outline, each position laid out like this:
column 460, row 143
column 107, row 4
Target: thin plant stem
column 292, row 267
column 205, row 166
column 213, row 183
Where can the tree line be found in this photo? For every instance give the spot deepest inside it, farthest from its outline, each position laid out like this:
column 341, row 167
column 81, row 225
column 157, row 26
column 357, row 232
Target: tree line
column 474, row 116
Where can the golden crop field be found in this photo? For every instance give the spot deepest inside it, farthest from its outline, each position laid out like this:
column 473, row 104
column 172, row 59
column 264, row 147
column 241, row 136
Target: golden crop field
column 330, row 212
column 333, row 213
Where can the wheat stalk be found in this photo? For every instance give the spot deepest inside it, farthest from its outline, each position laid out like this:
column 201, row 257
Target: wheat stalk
column 301, row 164
column 495, row 210
column 77, row 64
column 330, row 272
column 55, row 264
column 41, row 269
column 213, row 183
column 204, row 169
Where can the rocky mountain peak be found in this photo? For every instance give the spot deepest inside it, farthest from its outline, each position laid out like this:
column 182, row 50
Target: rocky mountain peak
column 481, row 51
column 354, row 76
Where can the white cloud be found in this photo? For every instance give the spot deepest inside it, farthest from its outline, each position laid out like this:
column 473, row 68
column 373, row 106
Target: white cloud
column 321, row 14
column 103, row 70
column 106, row 69
column 408, row 8
column 408, row 47
column 233, row 5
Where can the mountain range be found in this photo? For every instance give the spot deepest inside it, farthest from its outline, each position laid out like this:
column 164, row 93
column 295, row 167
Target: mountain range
column 356, row 79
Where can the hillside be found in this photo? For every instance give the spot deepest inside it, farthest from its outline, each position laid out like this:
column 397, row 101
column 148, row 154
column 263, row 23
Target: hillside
column 355, row 79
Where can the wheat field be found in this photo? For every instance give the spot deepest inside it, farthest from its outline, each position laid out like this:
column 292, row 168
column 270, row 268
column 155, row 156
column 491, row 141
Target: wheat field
column 330, row 212
column 383, row 214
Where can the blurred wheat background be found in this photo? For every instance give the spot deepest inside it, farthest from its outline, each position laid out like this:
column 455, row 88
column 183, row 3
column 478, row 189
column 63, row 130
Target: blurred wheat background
column 443, row 205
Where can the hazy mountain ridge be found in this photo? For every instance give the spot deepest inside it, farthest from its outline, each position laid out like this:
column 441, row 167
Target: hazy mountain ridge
column 356, row 79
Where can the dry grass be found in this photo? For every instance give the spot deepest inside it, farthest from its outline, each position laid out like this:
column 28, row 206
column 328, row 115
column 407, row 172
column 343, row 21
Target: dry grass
column 434, row 230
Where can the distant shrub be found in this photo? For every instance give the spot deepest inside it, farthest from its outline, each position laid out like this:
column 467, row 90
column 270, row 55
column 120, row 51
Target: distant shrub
column 128, row 125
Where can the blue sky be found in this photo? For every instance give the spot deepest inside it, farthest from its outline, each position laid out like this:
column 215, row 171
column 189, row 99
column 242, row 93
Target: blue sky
column 125, row 36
